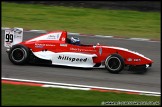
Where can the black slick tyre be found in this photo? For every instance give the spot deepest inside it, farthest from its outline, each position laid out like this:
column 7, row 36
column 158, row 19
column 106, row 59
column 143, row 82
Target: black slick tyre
column 114, row 63
column 19, row 54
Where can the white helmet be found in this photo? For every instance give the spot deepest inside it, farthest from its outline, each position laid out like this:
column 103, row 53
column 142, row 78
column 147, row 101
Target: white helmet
column 75, row 41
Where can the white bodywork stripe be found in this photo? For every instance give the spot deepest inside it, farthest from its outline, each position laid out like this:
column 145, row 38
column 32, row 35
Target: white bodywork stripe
column 49, row 36
column 67, row 58
column 124, row 49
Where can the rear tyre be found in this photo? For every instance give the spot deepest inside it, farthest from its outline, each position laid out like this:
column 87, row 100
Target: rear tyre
column 19, row 54
column 114, row 63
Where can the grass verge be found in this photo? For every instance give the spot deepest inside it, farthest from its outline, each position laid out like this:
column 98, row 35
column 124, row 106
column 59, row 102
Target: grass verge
column 122, row 23
column 26, row 95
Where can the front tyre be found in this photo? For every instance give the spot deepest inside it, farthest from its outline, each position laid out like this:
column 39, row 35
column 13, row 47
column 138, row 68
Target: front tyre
column 19, row 54
column 114, row 63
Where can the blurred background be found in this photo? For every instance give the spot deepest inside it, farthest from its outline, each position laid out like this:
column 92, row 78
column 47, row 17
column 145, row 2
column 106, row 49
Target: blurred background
column 140, row 19
column 152, row 5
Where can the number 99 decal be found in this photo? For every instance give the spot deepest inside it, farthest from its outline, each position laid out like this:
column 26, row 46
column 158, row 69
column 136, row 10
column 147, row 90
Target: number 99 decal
column 12, row 37
column 9, row 38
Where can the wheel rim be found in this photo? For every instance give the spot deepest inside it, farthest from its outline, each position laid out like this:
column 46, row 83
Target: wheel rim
column 18, row 54
column 113, row 63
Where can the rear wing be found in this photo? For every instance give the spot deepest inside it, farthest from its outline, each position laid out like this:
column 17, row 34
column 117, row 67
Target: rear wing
column 13, row 36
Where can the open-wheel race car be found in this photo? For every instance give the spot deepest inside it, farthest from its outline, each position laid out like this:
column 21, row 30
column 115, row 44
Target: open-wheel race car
column 55, row 48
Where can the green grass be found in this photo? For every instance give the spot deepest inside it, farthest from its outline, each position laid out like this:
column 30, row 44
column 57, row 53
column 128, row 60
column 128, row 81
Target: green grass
column 82, row 20
column 26, row 95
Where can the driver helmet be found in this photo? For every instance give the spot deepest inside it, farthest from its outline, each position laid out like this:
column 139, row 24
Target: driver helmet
column 75, row 41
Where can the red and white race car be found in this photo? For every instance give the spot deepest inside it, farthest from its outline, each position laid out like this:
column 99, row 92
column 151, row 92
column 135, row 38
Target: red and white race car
column 56, row 48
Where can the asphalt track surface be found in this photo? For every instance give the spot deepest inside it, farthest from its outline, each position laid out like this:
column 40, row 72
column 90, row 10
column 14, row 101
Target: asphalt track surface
column 149, row 81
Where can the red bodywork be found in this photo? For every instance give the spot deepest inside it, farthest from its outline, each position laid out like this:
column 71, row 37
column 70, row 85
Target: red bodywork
column 102, row 52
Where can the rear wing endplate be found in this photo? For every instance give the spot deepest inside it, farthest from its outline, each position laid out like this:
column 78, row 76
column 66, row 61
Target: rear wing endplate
column 13, row 36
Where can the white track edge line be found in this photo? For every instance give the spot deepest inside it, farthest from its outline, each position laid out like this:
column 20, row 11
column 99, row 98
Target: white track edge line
column 67, row 87
column 75, row 85
column 139, row 39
